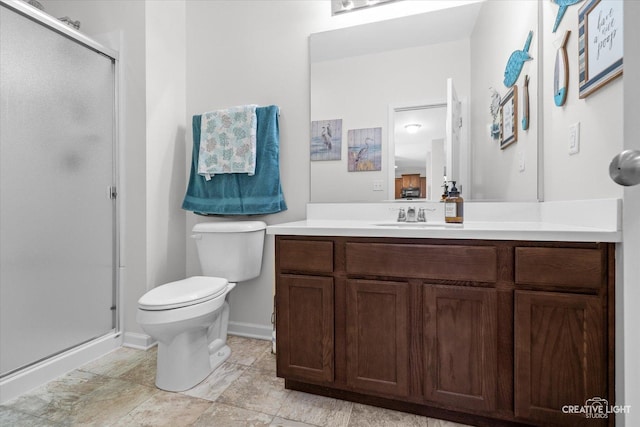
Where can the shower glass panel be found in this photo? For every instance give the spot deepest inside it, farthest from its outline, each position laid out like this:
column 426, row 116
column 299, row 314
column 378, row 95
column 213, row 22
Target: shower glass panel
column 57, row 219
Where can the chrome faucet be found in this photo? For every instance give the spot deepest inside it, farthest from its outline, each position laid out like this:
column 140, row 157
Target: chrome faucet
column 411, row 214
column 402, row 216
column 421, row 215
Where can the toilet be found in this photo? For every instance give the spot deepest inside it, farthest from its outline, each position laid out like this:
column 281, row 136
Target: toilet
column 189, row 318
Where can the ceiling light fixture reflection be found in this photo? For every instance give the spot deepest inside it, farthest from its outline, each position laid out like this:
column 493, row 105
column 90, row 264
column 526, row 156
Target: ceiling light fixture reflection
column 347, row 5
column 343, row 6
column 412, row 127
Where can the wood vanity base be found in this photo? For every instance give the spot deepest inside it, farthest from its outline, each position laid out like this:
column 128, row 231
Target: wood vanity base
column 397, row 405
column 480, row 332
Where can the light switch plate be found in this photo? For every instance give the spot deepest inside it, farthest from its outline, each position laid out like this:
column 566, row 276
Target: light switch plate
column 521, row 163
column 574, row 138
column 377, row 185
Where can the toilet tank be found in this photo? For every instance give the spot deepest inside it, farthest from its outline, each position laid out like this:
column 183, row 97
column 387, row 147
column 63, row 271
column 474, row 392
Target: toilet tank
column 230, row 249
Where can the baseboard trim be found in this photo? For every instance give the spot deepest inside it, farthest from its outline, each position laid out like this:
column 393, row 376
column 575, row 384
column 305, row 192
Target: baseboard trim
column 138, row 341
column 47, row 370
column 250, row 330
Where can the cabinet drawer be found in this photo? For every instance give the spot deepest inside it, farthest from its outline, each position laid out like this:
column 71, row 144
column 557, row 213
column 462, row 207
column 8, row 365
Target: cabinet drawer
column 573, row 268
column 305, row 255
column 446, row 262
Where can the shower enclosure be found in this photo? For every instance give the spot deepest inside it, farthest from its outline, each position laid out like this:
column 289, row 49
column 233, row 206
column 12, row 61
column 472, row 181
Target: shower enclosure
column 58, row 228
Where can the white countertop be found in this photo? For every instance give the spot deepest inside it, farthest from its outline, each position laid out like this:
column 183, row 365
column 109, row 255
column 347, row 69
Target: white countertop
column 469, row 230
column 597, row 224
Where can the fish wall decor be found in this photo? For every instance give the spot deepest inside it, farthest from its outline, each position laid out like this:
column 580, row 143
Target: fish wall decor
column 561, row 73
column 525, row 104
column 564, row 5
column 516, row 62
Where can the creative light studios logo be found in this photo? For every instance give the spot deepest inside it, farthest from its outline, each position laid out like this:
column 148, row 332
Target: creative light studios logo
column 596, row 407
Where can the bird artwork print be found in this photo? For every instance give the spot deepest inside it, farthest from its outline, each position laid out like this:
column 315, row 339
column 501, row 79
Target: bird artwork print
column 365, row 150
column 326, row 140
column 326, row 136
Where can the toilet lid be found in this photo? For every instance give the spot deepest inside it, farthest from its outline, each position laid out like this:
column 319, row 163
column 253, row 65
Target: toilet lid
column 182, row 293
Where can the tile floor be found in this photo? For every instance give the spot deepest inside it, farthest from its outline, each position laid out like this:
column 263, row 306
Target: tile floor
column 118, row 390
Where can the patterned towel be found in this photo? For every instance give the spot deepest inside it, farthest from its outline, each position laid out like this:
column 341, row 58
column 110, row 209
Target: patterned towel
column 239, row 193
column 228, row 141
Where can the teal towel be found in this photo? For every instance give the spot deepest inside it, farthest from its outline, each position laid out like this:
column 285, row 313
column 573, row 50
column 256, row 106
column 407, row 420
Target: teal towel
column 240, row 194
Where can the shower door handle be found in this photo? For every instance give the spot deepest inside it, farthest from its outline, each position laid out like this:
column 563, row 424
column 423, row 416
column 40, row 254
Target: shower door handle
column 625, row 168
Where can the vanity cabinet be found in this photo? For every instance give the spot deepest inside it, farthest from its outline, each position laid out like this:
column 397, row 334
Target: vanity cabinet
column 306, row 328
column 377, row 332
column 460, row 346
column 478, row 332
column 560, row 332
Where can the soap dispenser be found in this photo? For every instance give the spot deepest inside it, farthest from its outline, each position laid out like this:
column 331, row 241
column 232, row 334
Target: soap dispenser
column 454, row 206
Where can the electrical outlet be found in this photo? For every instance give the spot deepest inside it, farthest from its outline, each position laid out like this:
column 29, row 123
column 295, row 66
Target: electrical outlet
column 574, row 138
column 377, row 185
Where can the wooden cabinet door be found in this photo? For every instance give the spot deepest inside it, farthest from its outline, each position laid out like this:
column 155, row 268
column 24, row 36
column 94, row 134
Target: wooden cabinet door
column 304, row 322
column 559, row 356
column 460, row 346
column 377, row 336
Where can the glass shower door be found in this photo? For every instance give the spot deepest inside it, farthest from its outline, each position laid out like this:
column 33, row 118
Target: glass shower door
column 57, row 219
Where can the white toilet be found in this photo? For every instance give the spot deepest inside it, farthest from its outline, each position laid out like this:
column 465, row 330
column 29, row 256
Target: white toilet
column 189, row 317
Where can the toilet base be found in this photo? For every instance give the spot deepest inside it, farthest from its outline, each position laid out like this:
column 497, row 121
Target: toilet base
column 183, row 363
column 191, row 341
column 216, row 359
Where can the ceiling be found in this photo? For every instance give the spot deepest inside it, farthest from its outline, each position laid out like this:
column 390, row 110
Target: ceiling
column 410, row 31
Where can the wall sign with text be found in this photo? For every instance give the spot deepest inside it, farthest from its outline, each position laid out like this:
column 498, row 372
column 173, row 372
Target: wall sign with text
column 600, row 45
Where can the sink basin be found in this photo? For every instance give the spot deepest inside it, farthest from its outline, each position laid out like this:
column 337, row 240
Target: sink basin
column 418, row 224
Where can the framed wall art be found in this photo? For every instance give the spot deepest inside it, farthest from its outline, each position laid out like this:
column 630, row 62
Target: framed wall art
column 365, row 152
column 509, row 119
column 326, row 140
column 600, row 44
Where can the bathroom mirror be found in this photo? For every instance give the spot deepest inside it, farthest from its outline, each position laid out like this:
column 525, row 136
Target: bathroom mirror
column 366, row 79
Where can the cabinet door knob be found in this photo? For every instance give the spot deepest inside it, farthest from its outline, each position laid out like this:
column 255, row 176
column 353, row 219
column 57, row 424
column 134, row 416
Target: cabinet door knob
column 625, row 168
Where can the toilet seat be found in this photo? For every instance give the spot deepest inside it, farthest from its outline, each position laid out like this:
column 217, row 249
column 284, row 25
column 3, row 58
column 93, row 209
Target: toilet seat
column 183, row 293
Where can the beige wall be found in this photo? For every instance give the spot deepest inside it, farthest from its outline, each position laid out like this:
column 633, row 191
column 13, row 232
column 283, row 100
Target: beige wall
column 584, row 175
column 166, row 127
column 502, row 27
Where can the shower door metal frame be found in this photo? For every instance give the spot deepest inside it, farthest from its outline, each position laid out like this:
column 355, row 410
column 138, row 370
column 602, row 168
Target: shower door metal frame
column 53, row 24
